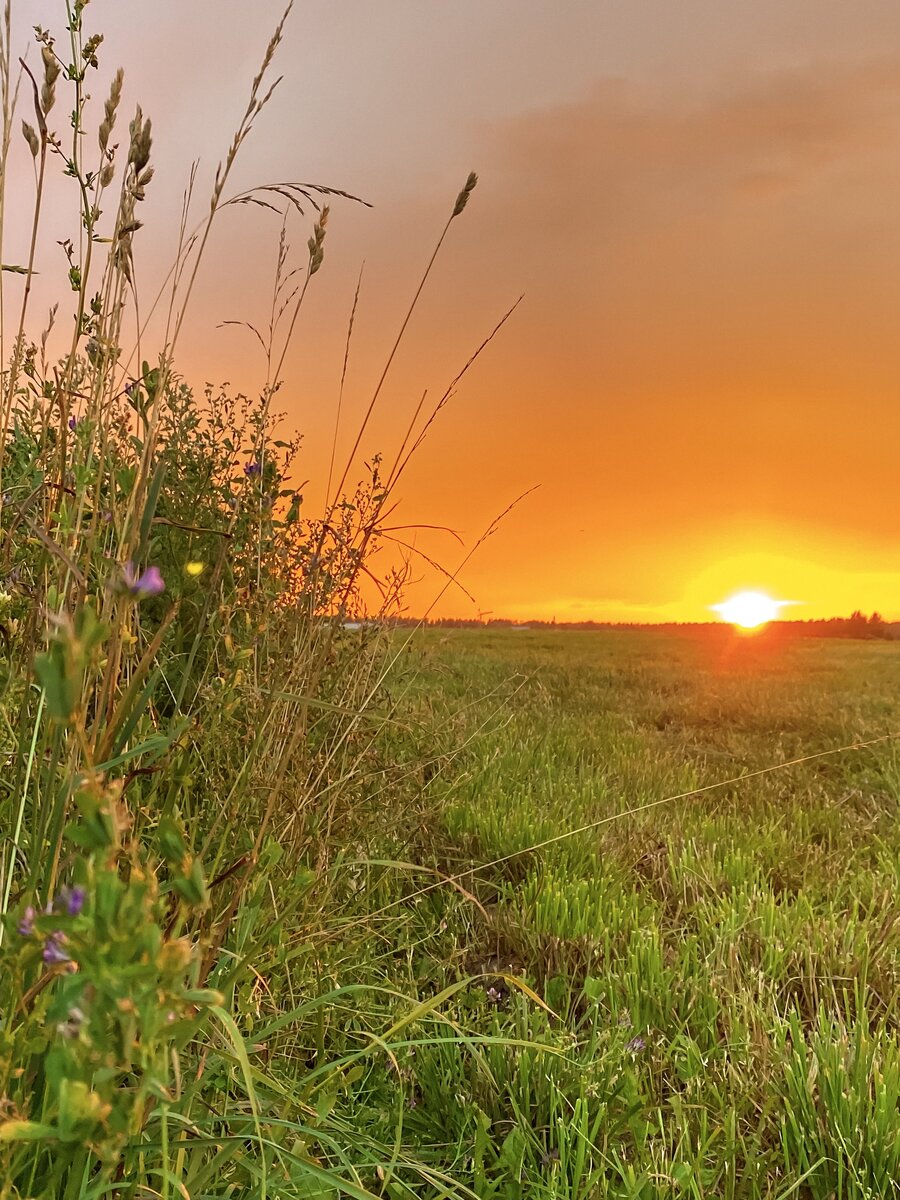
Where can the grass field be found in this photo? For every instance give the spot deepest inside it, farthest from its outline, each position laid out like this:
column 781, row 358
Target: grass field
column 723, row 968
column 299, row 906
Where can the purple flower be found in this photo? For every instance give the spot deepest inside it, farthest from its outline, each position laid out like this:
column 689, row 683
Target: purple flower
column 53, row 949
column 26, row 925
column 73, row 423
column 252, row 469
column 636, row 1045
column 144, row 583
column 72, row 900
column 133, row 390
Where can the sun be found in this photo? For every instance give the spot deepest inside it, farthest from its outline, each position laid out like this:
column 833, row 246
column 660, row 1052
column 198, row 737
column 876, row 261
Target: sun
column 749, row 610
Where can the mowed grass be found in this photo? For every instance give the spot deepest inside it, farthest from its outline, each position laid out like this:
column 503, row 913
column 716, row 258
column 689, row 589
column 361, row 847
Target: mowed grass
column 723, row 966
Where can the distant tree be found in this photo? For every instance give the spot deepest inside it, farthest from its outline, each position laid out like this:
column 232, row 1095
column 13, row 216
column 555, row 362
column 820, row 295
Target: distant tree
column 858, row 625
column 878, row 627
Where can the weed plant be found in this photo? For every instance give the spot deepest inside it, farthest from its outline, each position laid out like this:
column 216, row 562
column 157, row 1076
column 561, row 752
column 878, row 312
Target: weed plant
column 192, row 743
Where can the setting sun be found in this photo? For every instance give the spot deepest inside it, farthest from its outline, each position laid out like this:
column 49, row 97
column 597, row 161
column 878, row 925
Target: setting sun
column 749, row 610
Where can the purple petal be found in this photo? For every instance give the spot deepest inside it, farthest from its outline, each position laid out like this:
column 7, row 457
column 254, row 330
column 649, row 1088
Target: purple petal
column 151, row 583
column 147, row 583
column 53, row 950
column 72, row 900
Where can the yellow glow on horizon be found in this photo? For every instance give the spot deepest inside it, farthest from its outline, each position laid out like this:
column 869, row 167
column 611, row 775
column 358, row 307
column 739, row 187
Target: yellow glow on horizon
column 749, row 610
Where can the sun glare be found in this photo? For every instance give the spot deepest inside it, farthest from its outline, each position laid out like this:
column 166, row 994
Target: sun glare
column 748, row 610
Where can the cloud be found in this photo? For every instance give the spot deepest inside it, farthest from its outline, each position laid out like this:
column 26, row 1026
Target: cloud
column 625, row 155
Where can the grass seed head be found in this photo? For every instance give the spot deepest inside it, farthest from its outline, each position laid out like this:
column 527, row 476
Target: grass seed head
column 316, row 243
column 141, row 141
column 51, row 74
column 31, row 138
column 463, row 198
column 109, row 109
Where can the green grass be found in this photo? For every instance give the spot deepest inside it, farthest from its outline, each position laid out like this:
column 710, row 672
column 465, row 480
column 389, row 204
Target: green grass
column 195, row 756
column 747, row 936
column 294, row 911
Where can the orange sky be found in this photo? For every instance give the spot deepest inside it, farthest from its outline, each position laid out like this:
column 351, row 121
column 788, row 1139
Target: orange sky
column 699, row 202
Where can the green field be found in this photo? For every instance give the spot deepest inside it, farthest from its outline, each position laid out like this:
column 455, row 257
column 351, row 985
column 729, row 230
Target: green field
column 296, row 904
column 723, row 968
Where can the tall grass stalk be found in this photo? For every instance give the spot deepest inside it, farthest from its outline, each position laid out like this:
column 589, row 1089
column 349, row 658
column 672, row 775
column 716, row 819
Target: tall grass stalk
column 192, row 740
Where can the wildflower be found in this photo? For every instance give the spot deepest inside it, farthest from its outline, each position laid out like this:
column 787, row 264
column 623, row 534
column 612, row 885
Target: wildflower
column 133, row 390
column 493, row 995
column 144, row 583
column 252, row 469
column 195, row 568
column 636, row 1045
column 54, row 952
column 26, row 925
column 72, row 900
column 73, row 423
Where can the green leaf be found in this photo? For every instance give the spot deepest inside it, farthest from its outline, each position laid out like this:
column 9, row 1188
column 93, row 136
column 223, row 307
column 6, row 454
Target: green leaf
column 172, row 845
column 150, row 507
column 58, row 689
column 682, row 1174
column 25, row 1131
column 192, row 887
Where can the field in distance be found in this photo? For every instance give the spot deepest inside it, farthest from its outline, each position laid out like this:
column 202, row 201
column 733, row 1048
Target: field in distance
column 723, row 967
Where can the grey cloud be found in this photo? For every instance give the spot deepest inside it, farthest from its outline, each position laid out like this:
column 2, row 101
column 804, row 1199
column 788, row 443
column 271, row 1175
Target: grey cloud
column 623, row 152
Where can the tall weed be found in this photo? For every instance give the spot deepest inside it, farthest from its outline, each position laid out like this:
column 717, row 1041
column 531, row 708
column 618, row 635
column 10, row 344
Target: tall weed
column 186, row 726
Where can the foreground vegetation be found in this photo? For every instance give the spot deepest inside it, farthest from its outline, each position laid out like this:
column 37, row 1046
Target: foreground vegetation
column 192, row 750
column 294, row 909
